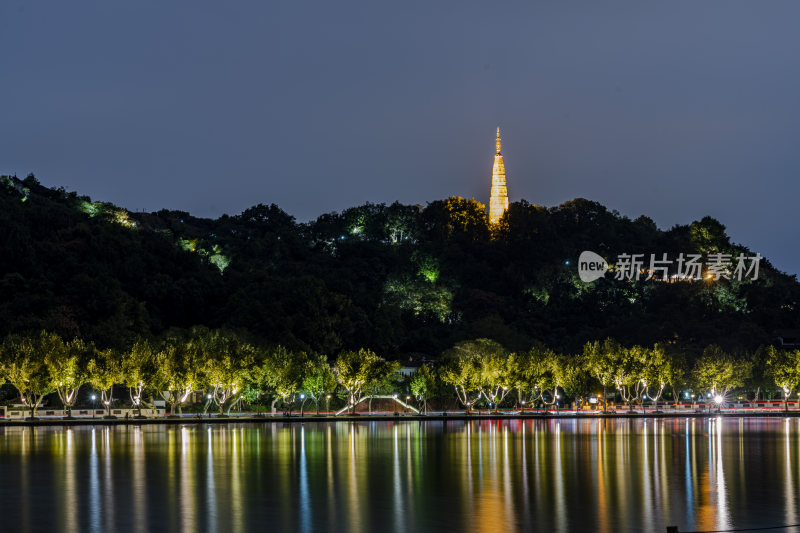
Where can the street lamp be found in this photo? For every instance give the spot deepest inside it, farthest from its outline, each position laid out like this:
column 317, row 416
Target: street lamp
column 718, row 401
column 302, row 404
column 407, row 399
column 94, row 406
column 328, row 403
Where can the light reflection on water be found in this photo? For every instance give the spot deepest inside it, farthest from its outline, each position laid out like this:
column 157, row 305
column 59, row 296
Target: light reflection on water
column 553, row 475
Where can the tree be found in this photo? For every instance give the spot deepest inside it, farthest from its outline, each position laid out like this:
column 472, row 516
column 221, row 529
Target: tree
column 461, row 368
column 67, row 366
column 177, row 369
column 285, row 371
column 319, row 381
column 570, row 372
column 22, row 364
column 228, row 360
column 103, row 372
column 656, row 373
column 495, row 376
column 384, row 381
column 628, row 374
column 138, row 369
column 423, row 385
column 784, row 368
column 356, row 370
column 676, row 371
column 456, row 218
column 718, row 371
column 601, row 360
column 542, row 362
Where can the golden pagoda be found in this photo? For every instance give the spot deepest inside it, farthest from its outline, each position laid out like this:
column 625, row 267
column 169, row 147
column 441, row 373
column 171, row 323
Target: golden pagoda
column 498, row 199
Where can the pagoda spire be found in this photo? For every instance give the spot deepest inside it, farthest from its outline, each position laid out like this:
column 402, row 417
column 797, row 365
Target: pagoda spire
column 498, row 198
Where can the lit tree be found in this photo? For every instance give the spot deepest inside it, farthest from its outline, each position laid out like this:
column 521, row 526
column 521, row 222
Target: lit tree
column 401, row 223
column 518, row 377
column 384, row 381
column 570, row 372
column 761, row 378
column 602, row 360
column 227, row 363
column 656, row 373
column 357, row 370
column 22, row 364
column 176, row 371
column 138, row 369
column 718, row 371
column 423, row 385
column 461, row 368
column 628, row 373
column 543, row 363
column 496, row 377
column 284, row 372
column 103, row 372
column 67, row 366
column 256, row 384
column 676, row 371
column 784, row 367
column 319, row 380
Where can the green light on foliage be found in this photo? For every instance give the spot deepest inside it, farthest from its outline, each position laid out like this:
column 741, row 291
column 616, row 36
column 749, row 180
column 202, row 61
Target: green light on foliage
column 215, row 256
column 187, row 245
column 91, row 208
column 420, row 298
column 121, row 218
column 427, row 267
column 220, row 261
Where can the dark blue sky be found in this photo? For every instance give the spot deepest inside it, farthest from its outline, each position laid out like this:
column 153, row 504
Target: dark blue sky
column 673, row 109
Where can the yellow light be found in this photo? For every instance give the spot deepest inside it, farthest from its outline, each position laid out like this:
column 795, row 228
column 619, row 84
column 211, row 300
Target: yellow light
column 498, row 199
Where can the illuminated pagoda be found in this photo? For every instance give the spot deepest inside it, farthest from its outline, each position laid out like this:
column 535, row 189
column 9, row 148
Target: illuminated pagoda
column 498, row 200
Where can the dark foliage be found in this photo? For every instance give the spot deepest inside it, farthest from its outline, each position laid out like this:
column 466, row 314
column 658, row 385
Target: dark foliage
column 394, row 278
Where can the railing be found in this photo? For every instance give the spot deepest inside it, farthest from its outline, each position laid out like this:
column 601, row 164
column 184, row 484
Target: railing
column 19, row 413
column 766, row 406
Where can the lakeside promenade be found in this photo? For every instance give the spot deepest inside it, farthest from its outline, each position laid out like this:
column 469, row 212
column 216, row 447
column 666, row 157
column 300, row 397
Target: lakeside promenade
column 252, row 418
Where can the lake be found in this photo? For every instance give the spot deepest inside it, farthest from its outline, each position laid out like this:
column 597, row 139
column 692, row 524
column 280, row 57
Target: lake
column 483, row 476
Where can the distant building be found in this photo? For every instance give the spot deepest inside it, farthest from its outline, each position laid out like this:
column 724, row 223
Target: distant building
column 498, row 198
column 789, row 338
column 411, row 362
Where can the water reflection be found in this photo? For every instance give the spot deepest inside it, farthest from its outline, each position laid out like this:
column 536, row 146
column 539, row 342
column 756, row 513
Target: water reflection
column 554, row 475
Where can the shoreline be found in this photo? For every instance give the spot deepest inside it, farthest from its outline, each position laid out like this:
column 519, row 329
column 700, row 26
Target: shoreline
column 280, row 419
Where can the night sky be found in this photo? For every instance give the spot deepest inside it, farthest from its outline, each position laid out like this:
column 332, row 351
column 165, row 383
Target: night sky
column 673, row 109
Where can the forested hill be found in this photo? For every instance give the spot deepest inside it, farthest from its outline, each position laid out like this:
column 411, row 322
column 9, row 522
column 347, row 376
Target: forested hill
column 397, row 279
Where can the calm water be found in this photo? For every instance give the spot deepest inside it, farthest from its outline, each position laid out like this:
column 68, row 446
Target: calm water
column 549, row 475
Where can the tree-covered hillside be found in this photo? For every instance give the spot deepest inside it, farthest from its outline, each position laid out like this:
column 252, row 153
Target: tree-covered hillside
column 395, row 279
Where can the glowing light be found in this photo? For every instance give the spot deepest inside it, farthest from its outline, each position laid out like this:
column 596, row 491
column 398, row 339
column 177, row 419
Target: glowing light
column 718, row 399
